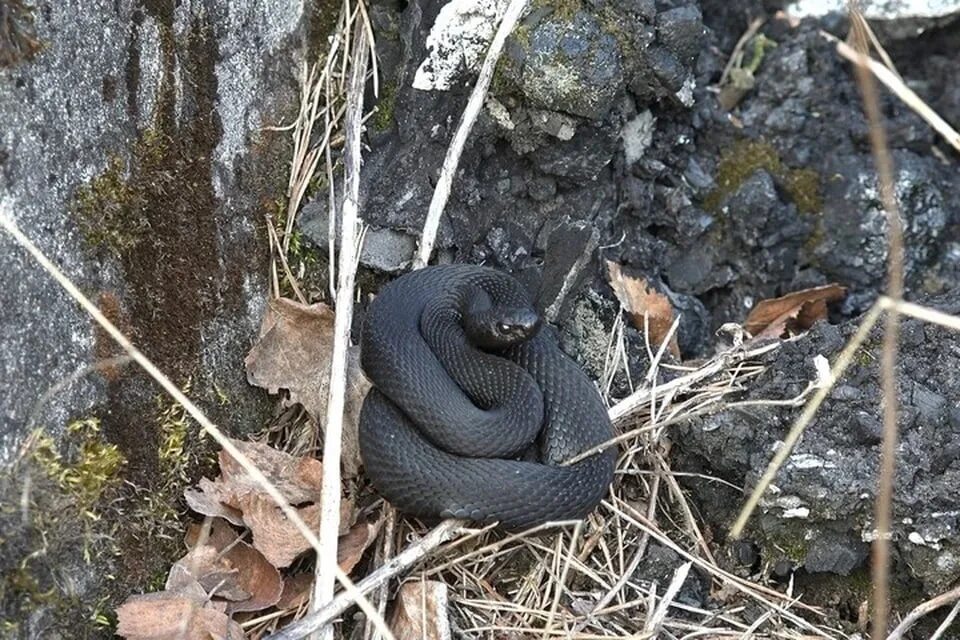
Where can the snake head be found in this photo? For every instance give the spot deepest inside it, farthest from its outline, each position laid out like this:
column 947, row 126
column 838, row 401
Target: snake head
column 499, row 327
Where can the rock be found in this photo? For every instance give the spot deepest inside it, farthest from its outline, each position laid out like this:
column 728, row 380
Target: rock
column 572, row 66
column 570, row 248
column 383, row 249
column 894, row 18
column 134, row 153
column 831, row 475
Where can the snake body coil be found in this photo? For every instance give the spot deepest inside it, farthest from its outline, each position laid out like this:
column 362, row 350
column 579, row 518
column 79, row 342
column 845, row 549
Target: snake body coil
column 454, row 431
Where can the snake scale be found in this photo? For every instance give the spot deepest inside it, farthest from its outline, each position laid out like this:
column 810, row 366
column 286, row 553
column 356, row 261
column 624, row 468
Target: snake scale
column 474, row 405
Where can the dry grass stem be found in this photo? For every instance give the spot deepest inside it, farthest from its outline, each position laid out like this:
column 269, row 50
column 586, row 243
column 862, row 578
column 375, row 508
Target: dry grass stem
column 392, row 568
column 452, row 160
column 888, row 361
column 902, row 91
column 923, row 609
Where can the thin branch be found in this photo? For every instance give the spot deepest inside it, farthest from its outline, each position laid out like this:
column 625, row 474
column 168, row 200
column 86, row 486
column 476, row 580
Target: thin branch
column 888, row 379
column 452, row 159
column 923, row 609
column 902, row 91
column 396, row 566
column 326, row 567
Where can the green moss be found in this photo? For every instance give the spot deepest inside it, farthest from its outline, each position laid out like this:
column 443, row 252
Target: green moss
column 84, row 475
column 109, row 211
column 383, row 120
column 747, row 157
column 562, row 9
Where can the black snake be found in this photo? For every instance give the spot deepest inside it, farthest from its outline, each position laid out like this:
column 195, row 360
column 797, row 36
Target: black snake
column 474, row 405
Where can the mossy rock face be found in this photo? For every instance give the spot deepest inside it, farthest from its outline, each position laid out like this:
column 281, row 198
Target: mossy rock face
column 569, row 64
column 746, row 157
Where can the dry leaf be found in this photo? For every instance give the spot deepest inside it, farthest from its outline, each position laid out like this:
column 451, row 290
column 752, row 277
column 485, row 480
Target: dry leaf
column 209, row 499
column 171, row 616
column 205, row 568
column 296, row 592
column 299, row 479
column 273, row 534
column 231, row 569
column 639, row 298
column 351, row 546
column 357, row 387
column 420, row 612
column 294, row 353
column 793, row 313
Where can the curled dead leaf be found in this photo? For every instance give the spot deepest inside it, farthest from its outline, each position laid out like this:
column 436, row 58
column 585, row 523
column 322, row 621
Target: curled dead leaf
column 351, row 545
column 793, row 313
column 640, row 299
column 420, row 612
column 171, row 616
column 273, row 534
column 294, row 353
column 299, row 479
column 230, row 569
column 296, row 592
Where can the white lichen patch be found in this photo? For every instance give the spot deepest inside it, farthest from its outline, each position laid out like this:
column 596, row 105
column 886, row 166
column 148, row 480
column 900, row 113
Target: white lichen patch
column 637, row 136
column 457, row 42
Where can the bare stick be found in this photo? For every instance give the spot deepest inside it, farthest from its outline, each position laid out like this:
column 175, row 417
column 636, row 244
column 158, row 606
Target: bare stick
column 326, row 567
column 927, row 314
column 841, row 364
column 902, row 91
column 6, row 221
column 344, row 600
column 452, row 159
column 923, row 609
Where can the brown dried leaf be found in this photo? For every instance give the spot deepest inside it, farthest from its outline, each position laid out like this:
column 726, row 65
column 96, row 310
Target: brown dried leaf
column 170, row 616
column 294, row 352
column 357, row 387
column 639, row 298
column 299, row 479
column 793, row 313
column 209, row 499
column 273, row 534
column 351, row 546
column 296, row 591
column 420, row 612
column 204, row 567
column 231, row 569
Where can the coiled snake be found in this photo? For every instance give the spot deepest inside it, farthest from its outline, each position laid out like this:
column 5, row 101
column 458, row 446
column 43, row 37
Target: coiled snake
column 475, row 406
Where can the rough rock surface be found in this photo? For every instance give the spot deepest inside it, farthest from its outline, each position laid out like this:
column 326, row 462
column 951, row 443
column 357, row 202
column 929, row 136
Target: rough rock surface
column 719, row 208
column 820, row 516
column 132, row 152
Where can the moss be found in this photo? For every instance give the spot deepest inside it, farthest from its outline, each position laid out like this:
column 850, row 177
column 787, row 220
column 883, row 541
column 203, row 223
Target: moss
column 109, row 211
column 747, row 157
column 383, row 120
column 562, row 9
column 84, row 475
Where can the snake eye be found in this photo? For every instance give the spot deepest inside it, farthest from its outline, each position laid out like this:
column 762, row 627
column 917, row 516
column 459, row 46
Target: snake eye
column 504, row 327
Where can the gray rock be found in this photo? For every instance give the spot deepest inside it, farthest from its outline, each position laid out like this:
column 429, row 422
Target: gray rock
column 572, row 66
column 570, row 247
column 828, row 486
column 133, row 153
column 383, row 249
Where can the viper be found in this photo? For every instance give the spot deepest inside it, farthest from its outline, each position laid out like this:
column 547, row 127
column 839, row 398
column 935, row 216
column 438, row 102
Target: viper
column 475, row 408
